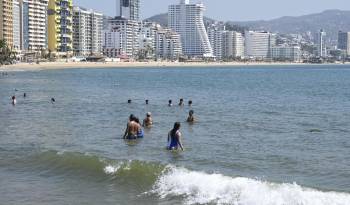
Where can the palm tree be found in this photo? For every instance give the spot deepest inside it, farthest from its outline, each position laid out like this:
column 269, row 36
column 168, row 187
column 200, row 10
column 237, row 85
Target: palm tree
column 6, row 54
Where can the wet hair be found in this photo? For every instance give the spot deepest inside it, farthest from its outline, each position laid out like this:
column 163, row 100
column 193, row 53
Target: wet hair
column 137, row 120
column 191, row 112
column 170, row 101
column 177, row 126
column 190, row 102
column 147, row 102
column 181, row 100
column 132, row 117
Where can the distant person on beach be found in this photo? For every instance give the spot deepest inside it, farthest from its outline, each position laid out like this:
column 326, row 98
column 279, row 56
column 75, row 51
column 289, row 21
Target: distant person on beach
column 129, row 101
column 132, row 129
column 14, row 101
column 170, row 103
column 174, row 138
column 147, row 102
column 53, row 100
column 190, row 118
column 181, row 103
column 148, row 121
column 190, row 103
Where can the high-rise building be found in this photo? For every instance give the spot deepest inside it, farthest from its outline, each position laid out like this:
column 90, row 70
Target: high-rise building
column 60, row 30
column 286, row 53
column 126, row 37
column 6, row 21
column 16, row 11
column 344, row 42
column 128, row 9
column 33, row 24
column 168, row 44
column 187, row 20
column 258, row 44
column 321, row 41
column 215, row 35
column 87, row 32
column 233, row 45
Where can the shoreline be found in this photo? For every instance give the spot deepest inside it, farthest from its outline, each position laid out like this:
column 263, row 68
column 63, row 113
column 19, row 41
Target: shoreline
column 75, row 65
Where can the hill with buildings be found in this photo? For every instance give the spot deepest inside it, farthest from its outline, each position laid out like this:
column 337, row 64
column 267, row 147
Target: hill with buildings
column 330, row 20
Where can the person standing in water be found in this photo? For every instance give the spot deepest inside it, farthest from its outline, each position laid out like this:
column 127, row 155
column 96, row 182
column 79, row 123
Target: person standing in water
column 190, row 118
column 181, row 103
column 14, row 101
column 190, row 103
column 170, row 103
column 132, row 129
column 147, row 102
column 148, row 122
column 174, row 138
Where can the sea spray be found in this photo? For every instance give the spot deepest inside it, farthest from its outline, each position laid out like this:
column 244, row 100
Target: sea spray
column 202, row 188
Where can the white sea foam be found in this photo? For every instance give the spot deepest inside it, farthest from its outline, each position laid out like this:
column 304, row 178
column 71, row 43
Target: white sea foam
column 202, row 188
column 111, row 169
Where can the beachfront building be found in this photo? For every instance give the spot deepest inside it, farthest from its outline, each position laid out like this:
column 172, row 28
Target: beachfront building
column 16, row 13
column 128, row 9
column 286, row 53
column 258, row 44
column 60, row 34
column 87, row 32
column 147, row 43
column 187, row 20
column 33, row 18
column 6, row 21
column 321, row 43
column 168, row 45
column 232, row 45
column 344, row 42
column 121, row 38
column 215, row 35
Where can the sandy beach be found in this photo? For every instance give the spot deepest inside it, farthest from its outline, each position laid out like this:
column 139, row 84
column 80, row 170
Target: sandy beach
column 67, row 65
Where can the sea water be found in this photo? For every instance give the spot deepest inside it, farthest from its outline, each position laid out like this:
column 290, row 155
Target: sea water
column 265, row 135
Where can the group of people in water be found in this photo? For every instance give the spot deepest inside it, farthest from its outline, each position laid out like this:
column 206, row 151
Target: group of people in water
column 14, row 99
column 134, row 129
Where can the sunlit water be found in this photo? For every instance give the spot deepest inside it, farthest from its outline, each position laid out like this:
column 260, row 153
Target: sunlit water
column 265, row 135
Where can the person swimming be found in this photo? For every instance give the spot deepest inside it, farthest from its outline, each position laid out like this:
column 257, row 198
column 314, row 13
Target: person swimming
column 24, row 95
column 132, row 129
column 190, row 118
column 53, row 100
column 148, row 121
column 190, row 103
column 170, row 103
column 174, row 138
column 181, row 103
column 147, row 102
column 129, row 101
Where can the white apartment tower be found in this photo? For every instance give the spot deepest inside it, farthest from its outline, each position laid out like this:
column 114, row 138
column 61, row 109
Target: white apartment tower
column 258, row 44
column 128, row 9
column 215, row 35
column 16, row 9
column 187, row 20
column 126, row 33
column 232, row 45
column 34, row 24
column 322, row 49
column 87, row 32
column 168, row 44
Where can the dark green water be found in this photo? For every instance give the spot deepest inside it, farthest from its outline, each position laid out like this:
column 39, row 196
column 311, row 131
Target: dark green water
column 265, row 135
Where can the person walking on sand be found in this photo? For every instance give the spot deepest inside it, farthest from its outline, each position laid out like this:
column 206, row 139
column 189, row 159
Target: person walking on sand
column 190, row 118
column 174, row 138
column 148, row 121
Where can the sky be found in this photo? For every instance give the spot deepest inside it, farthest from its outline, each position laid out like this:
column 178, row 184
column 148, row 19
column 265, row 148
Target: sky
column 234, row 10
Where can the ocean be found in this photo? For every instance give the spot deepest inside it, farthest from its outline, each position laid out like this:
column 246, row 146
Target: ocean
column 265, row 135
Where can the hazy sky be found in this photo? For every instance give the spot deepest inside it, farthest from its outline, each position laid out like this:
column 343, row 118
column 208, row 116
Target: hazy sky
column 236, row 10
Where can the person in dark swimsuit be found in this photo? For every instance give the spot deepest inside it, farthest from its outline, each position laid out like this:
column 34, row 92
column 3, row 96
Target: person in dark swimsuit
column 174, row 138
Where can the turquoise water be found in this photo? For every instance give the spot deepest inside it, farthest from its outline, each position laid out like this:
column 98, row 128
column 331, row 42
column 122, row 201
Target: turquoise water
column 265, row 135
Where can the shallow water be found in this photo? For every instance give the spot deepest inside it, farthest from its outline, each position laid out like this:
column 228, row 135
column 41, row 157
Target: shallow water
column 265, row 135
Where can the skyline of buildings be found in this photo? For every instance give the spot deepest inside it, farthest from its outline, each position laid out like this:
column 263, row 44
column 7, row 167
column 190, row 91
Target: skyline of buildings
column 60, row 28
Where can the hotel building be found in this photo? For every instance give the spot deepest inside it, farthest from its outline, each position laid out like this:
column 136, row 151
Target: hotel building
column 187, row 20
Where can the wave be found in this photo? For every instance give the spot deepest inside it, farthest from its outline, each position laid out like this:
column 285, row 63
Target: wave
column 191, row 187
column 202, row 188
